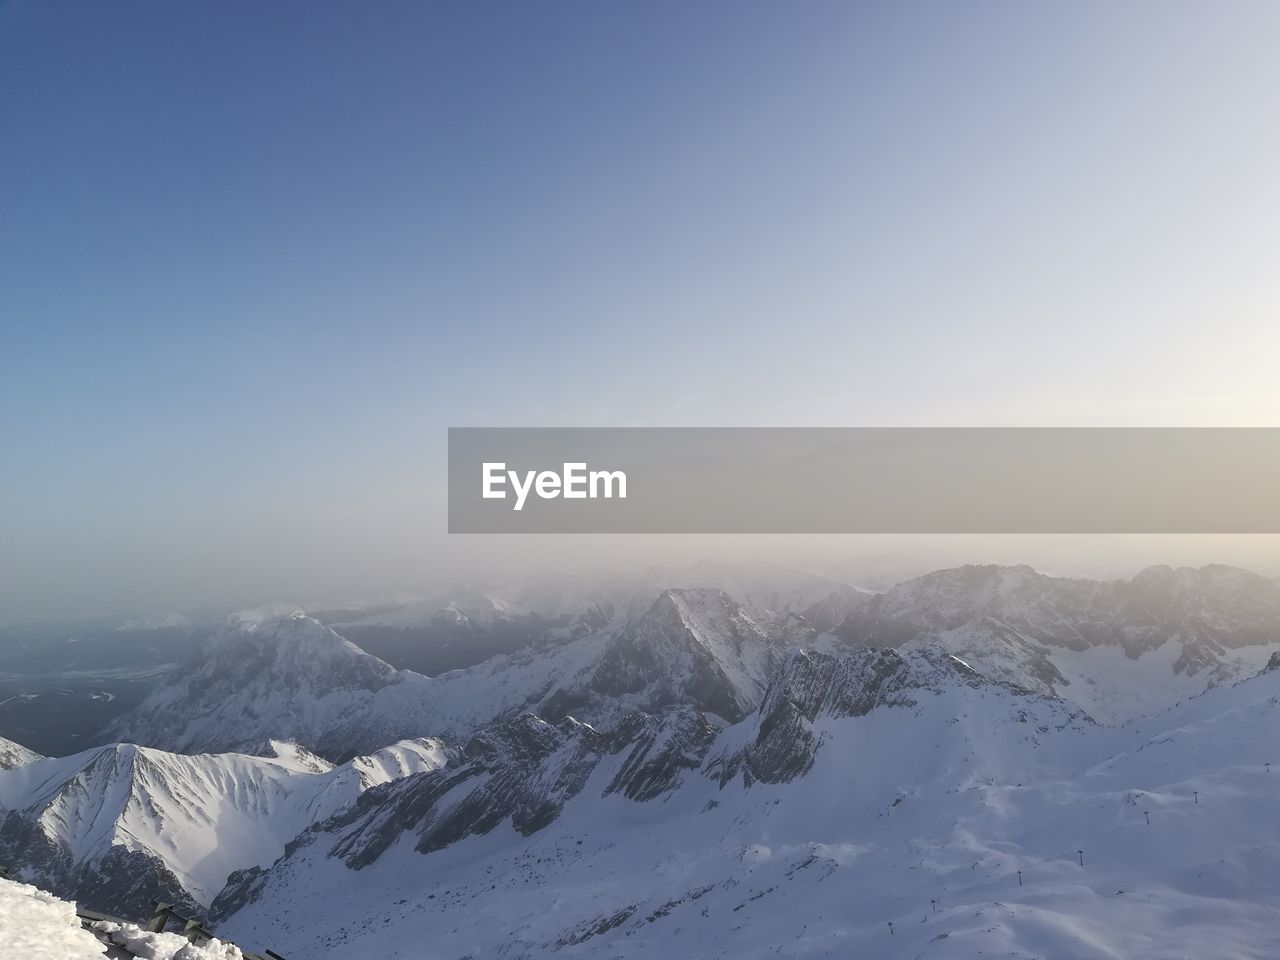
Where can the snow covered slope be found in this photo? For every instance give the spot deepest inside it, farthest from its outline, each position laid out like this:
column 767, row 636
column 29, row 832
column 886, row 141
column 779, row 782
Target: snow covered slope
column 743, row 838
column 880, row 805
column 118, row 825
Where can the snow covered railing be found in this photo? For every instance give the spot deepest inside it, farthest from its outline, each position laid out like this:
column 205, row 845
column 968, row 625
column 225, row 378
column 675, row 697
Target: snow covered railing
column 36, row 925
column 192, row 929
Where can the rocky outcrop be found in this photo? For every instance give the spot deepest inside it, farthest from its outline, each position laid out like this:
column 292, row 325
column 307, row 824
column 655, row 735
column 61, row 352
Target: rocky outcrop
column 812, row 685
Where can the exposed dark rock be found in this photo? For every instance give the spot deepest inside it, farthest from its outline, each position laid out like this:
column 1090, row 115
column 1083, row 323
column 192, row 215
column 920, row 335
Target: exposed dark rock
column 812, row 684
column 660, row 750
column 521, row 771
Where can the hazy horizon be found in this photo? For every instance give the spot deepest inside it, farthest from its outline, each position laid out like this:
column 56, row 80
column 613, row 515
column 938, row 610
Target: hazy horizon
column 258, row 259
column 871, row 561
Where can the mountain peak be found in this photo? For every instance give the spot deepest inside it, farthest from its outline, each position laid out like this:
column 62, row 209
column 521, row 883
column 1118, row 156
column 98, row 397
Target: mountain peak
column 15, row 754
column 291, row 651
column 694, row 646
column 292, row 677
column 694, row 607
column 295, row 636
column 120, row 824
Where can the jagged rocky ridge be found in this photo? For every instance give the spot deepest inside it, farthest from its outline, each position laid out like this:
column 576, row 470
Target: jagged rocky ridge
column 813, row 684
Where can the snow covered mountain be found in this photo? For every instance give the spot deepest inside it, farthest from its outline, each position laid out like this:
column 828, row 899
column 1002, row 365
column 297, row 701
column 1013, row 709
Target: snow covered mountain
column 658, row 836
column 896, row 805
column 296, row 679
column 1119, row 649
column 289, row 678
column 118, row 825
column 713, row 771
column 695, row 647
column 465, row 627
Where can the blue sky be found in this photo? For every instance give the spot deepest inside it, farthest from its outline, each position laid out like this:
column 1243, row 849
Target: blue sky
column 254, row 258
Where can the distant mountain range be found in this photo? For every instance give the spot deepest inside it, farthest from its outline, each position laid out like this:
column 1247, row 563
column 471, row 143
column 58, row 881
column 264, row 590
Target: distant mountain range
column 757, row 759
column 1118, row 649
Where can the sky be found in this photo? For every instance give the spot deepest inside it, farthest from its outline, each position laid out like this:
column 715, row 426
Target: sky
column 256, row 258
